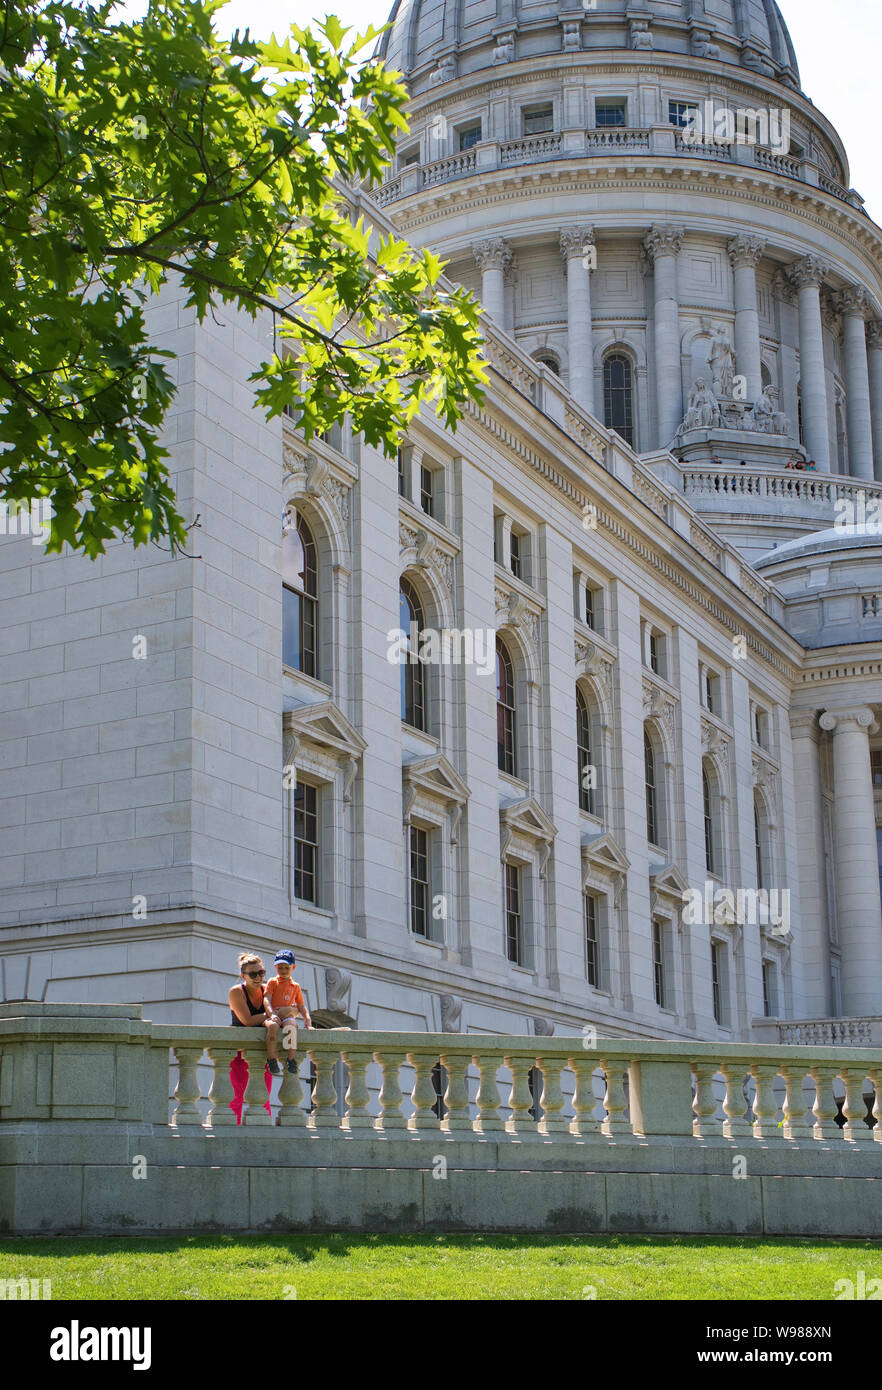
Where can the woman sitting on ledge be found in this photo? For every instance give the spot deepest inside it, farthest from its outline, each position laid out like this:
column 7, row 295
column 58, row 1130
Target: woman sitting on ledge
column 247, row 1011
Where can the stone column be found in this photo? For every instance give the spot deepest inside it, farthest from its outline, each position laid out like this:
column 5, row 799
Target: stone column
column 857, row 864
column 874, row 359
column 662, row 246
column 493, row 257
column 745, row 253
column 578, row 250
column 805, row 741
column 808, row 275
column 854, row 305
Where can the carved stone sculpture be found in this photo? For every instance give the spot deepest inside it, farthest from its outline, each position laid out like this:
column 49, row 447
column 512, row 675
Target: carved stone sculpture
column 451, row 1014
column 704, row 408
column 722, row 364
column 640, row 35
column 766, row 417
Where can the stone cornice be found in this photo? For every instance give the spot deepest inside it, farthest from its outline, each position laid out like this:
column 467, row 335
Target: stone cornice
column 754, row 187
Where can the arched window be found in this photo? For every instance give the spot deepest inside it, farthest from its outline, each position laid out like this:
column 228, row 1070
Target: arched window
column 505, row 711
column 413, row 681
column 711, row 856
column 618, row 396
column 299, row 598
column 765, row 374
column 653, row 826
column 547, row 359
column 587, row 770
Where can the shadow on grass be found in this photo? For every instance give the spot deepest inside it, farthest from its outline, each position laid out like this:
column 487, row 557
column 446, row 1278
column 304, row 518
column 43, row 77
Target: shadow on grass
column 306, row 1248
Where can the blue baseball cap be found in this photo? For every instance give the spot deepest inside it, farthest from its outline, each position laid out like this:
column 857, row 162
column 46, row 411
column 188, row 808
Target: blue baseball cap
column 286, row 957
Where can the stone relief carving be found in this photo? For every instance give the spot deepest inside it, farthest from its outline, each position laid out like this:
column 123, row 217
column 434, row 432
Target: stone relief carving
column 641, row 38
column 722, row 364
column 702, row 44
column 657, row 704
column 704, row 409
column 338, row 984
column 451, row 1013
column 543, row 1028
column 572, row 36
column 765, row 417
column 504, row 51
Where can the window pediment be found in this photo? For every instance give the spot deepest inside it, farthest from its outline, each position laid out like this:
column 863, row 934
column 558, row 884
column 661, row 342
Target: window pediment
column 526, row 830
column 603, row 854
column 436, row 777
column 326, row 734
column 667, row 887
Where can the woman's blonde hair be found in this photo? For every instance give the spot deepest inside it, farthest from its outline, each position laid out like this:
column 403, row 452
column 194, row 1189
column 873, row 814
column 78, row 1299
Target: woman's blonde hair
column 248, row 958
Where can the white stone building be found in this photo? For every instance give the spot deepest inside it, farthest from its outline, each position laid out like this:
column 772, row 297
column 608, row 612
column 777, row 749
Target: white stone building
column 676, row 609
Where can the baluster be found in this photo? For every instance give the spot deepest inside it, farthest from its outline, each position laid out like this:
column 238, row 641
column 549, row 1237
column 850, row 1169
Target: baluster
column 325, row 1120
column 221, row 1092
column 735, row 1106
column 553, row 1101
column 253, row 1107
column 521, row 1123
column 391, row 1119
column 358, row 1096
column 615, row 1101
column 423, row 1096
column 855, row 1106
column 704, row 1102
column 458, row 1121
column 796, row 1126
column 825, row 1109
column 291, row 1113
column 765, row 1106
column 187, row 1091
column 876, row 1078
column 584, row 1099
column 492, row 1122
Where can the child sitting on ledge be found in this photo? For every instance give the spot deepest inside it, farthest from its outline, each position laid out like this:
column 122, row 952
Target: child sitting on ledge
column 283, row 1001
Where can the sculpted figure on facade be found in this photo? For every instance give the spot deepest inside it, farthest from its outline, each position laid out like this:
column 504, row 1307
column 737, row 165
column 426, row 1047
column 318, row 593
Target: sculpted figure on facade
column 640, row 35
column 722, row 364
column 766, row 417
column 504, row 51
column 704, row 409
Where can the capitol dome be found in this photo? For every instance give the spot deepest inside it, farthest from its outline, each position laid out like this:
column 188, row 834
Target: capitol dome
column 426, row 33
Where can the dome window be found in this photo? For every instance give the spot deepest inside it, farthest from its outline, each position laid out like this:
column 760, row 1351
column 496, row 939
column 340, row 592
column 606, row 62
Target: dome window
column 609, row 113
column 682, row 113
column 469, row 135
column 537, row 120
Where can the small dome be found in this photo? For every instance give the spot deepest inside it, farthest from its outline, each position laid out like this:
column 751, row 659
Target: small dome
column 437, row 40
column 820, row 543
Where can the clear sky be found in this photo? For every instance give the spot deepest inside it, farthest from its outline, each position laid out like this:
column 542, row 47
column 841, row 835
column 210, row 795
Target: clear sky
column 838, row 45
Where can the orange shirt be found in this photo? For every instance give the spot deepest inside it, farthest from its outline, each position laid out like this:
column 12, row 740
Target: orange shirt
column 282, row 994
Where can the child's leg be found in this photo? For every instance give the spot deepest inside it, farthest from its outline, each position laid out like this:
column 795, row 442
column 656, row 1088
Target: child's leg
column 289, row 1030
column 272, row 1040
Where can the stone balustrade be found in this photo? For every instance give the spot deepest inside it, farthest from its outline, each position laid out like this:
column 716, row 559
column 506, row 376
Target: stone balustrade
column 531, row 1133
column 658, row 140
column 814, row 493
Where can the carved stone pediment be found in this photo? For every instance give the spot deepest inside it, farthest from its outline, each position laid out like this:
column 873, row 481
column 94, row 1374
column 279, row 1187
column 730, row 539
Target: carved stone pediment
column 525, row 828
column 603, row 854
column 658, row 704
column 667, row 887
column 322, row 738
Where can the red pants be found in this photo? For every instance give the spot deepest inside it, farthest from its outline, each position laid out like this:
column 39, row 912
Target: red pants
column 239, row 1080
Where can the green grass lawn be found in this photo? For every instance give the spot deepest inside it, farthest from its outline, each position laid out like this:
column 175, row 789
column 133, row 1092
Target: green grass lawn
column 438, row 1267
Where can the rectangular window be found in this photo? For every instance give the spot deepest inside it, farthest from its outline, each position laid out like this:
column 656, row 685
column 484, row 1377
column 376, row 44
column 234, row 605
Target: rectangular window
column 655, row 653
column 469, row 136
column 305, row 843
column 419, row 881
column 876, row 763
column 516, row 556
column 409, row 157
column 682, row 113
column 514, row 918
column 592, row 941
column 590, row 616
column 403, row 465
column 658, row 962
column 609, row 113
column 716, row 982
column 427, row 490
column 538, row 120
column 770, row 990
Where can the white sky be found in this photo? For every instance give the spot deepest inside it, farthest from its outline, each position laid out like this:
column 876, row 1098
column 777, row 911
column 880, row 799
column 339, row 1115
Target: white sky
column 837, row 42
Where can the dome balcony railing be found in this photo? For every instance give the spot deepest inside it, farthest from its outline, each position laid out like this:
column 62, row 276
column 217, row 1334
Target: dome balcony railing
column 664, row 140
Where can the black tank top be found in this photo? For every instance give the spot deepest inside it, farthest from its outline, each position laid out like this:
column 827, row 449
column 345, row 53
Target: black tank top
column 237, row 1023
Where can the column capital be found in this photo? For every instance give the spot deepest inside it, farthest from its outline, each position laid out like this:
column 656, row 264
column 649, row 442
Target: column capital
column 575, row 241
column 854, row 301
column 835, row 721
column 494, row 253
column 874, row 334
column 811, row 270
column 663, row 240
column 746, row 250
